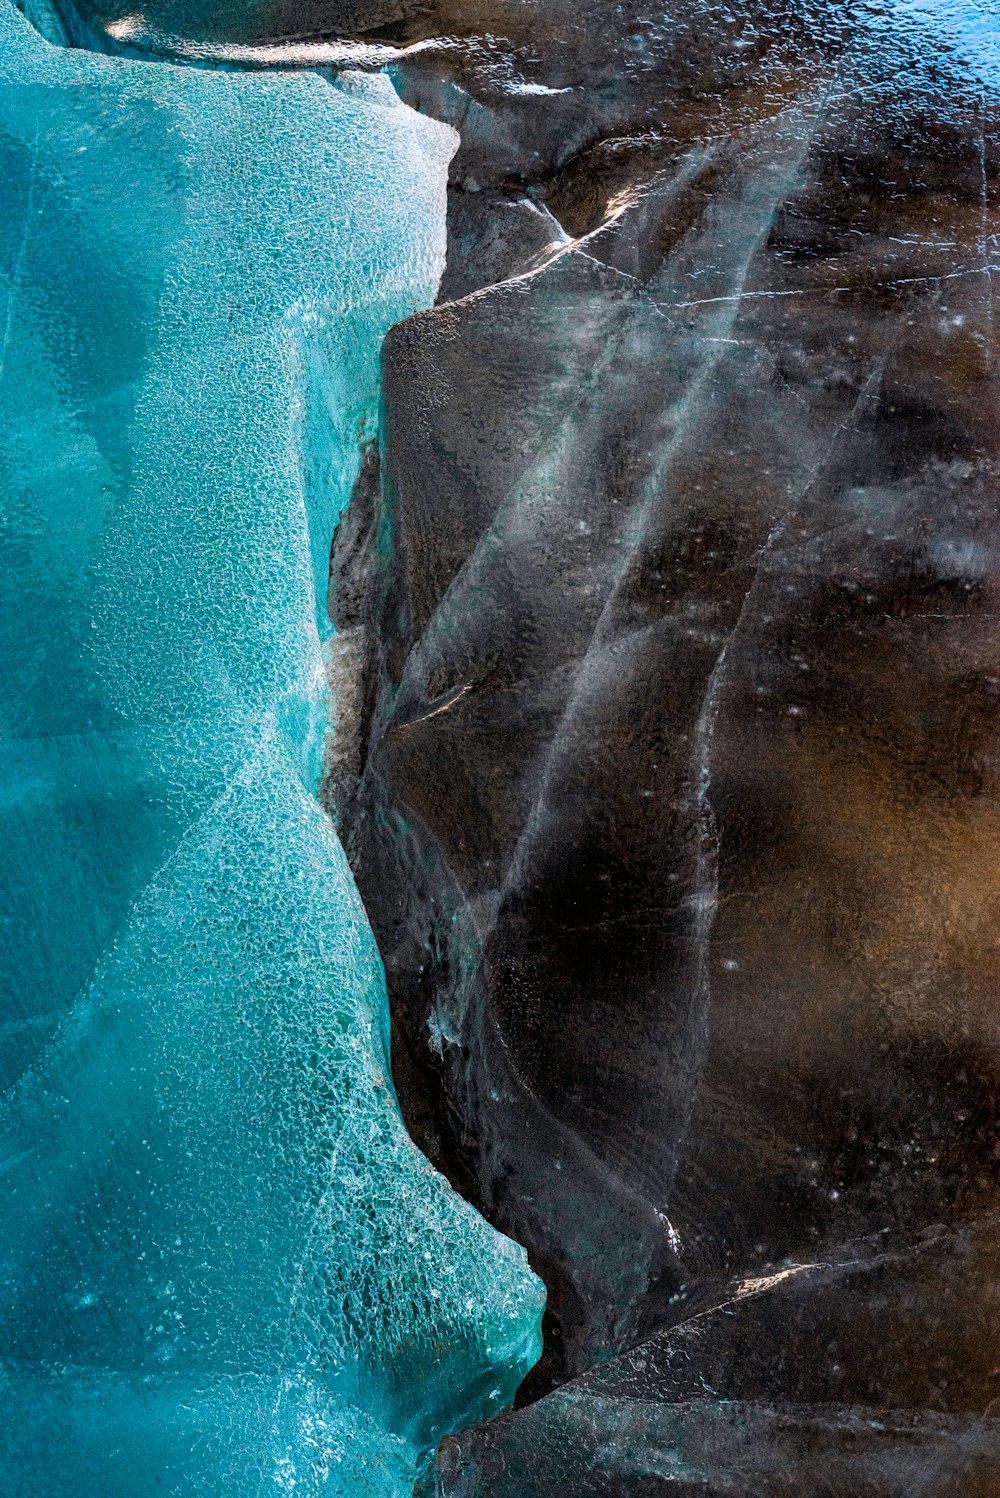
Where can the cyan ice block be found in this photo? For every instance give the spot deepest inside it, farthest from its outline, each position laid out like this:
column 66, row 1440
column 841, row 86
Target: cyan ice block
column 224, row 1268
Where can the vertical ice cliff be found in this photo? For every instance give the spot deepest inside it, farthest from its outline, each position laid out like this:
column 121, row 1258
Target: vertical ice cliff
column 224, row 1268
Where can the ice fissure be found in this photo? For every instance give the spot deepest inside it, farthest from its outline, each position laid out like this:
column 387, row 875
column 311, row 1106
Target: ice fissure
column 224, row 1267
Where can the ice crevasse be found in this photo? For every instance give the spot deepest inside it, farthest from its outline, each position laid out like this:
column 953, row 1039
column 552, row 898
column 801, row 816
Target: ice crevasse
column 224, row 1268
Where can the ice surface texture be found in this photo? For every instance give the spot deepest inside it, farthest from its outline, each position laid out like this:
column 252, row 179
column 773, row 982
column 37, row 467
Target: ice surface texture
column 670, row 783
column 225, row 1268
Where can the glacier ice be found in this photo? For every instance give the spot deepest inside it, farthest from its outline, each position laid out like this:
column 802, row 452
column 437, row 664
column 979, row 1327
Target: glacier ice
column 225, row 1267
column 665, row 762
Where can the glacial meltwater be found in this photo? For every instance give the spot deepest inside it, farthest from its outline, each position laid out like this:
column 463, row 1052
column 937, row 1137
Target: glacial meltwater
column 224, row 1267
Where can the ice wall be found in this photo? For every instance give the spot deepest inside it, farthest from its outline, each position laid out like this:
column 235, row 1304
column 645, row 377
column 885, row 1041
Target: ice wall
column 224, row 1268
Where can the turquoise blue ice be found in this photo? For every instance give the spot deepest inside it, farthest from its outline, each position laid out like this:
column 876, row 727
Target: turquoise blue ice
column 968, row 29
column 224, row 1268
